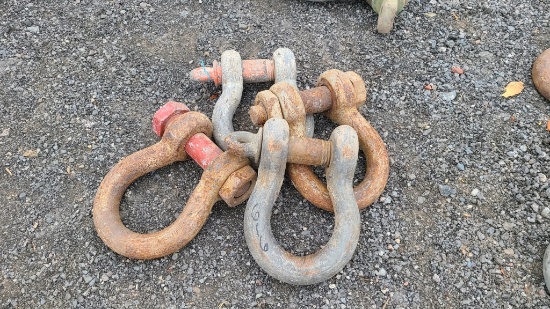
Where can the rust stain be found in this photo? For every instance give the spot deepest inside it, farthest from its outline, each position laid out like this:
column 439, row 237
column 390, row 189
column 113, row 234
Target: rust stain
column 347, row 152
column 338, row 95
column 226, row 172
column 274, row 146
column 347, row 92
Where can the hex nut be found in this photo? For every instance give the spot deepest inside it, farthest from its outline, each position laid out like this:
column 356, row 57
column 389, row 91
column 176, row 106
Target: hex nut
column 163, row 115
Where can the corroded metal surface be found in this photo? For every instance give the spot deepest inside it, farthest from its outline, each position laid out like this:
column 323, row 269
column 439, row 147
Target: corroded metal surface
column 541, row 74
column 267, row 252
column 253, row 71
column 203, row 151
column 541, row 79
column 346, row 91
column 266, row 106
column 180, row 128
column 283, row 100
column 232, row 89
column 282, row 68
column 316, row 100
column 309, row 151
column 302, row 150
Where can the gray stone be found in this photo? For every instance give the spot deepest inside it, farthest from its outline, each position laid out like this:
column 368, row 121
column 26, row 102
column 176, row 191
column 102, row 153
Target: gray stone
column 446, row 190
column 448, row 96
column 33, row 29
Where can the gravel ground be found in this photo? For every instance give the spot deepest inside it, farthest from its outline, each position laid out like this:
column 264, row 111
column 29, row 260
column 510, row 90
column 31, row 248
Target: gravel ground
column 463, row 221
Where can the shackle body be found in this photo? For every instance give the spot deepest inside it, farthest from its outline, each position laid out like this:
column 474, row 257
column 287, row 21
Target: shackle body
column 267, row 252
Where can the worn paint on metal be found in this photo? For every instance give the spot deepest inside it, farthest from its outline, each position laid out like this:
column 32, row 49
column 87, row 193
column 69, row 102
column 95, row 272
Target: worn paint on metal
column 203, row 151
column 232, row 89
column 302, row 150
column 345, row 91
column 252, row 71
column 235, row 72
column 224, row 172
column 163, row 114
column 267, row 252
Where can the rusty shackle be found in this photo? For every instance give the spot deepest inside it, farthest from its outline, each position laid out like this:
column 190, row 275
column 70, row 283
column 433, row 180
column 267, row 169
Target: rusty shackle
column 184, row 133
column 282, row 68
column 338, row 94
column 541, row 74
column 277, row 148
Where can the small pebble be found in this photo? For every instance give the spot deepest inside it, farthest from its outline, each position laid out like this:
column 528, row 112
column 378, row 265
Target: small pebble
column 448, row 96
column 88, row 278
column 480, row 235
column 446, row 190
column 33, row 29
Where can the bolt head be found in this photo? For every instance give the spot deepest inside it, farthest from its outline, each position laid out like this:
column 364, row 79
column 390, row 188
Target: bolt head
column 163, row 114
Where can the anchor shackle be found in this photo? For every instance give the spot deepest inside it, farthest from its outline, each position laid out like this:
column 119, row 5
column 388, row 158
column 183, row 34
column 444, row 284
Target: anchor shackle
column 225, row 175
column 338, row 94
column 266, row 251
column 232, row 73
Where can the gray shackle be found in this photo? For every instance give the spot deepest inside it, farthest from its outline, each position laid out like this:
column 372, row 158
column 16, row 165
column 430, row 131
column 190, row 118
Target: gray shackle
column 331, row 259
column 232, row 89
